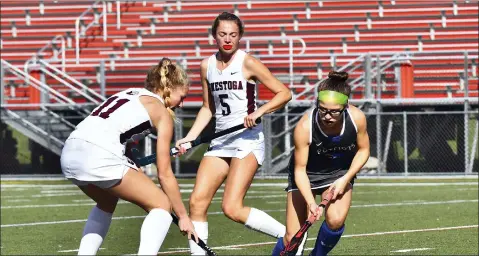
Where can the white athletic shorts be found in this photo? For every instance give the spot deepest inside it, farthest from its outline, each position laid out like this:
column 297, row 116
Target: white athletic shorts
column 85, row 163
column 239, row 144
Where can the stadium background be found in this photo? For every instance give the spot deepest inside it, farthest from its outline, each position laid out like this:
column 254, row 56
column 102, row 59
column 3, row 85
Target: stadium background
column 413, row 66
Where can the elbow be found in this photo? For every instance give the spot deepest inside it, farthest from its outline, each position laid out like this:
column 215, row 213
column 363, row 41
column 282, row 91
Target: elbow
column 288, row 96
column 366, row 153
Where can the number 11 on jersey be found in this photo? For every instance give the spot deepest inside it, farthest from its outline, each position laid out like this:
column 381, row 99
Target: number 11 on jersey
column 105, row 114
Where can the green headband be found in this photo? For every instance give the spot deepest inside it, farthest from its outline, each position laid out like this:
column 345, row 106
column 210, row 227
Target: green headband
column 332, row 97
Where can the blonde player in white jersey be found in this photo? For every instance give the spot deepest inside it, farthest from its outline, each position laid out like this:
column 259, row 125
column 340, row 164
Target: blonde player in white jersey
column 229, row 87
column 94, row 159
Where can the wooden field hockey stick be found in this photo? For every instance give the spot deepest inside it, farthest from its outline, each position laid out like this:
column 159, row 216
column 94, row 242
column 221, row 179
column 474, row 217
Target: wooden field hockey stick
column 292, row 246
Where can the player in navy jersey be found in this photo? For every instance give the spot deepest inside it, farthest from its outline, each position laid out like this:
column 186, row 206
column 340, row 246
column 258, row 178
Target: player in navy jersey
column 331, row 146
column 229, row 87
column 94, row 159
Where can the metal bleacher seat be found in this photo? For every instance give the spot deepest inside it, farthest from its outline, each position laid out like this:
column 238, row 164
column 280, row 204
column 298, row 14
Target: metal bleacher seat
column 152, row 30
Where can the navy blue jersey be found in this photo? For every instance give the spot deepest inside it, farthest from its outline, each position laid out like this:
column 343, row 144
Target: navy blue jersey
column 329, row 156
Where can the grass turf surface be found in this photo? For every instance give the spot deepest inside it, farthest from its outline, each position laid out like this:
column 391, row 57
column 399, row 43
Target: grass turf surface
column 384, row 220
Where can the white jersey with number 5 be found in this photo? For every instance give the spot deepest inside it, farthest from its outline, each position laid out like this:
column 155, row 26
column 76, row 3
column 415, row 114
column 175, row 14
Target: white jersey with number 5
column 234, row 98
column 116, row 120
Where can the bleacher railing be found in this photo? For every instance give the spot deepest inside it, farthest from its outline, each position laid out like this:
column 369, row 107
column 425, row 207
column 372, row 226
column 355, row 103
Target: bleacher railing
column 56, row 51
column 30, row 80
column 81, row 28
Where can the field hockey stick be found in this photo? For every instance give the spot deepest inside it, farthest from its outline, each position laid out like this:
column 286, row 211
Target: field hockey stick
column 200, row 243
column 292, row 246
column 136, row 154
column 142, row 161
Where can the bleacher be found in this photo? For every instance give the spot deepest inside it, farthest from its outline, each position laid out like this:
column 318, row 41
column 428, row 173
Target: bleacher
column 335, row 33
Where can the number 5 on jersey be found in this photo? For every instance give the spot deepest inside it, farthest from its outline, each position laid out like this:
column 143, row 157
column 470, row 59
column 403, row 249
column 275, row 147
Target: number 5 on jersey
column 105, row 114
column 224, row 105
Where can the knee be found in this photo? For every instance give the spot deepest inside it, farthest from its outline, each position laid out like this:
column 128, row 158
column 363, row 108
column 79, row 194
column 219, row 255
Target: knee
column 335, row 222
column 198, row 203
column 231, row 211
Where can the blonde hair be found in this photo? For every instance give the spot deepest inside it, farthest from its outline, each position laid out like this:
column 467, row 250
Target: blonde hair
column 166, row 77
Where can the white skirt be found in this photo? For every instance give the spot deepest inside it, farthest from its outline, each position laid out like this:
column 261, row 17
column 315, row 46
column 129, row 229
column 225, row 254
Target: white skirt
column 239, row 144
column 85, row 163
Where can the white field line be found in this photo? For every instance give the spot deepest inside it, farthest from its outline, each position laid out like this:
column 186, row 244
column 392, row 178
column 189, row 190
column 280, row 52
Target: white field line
column 403, row 203
column 217, row 213
column 186, row 191
column 83, row 200
column 45, row 195
column 282, row 185
column 413, row 250
column 268, row 192
column 17, row 200
column 56, row 191
column 234, row 246
column 76, row 250
column 382, row 184
column 91, row 202
column 79, row 192
column 424, row 177
column 215, row 200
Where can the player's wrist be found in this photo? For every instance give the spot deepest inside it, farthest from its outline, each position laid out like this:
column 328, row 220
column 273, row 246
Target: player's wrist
column 347, row 177
column 190, row 137
column 260, row 111
column 183, row 215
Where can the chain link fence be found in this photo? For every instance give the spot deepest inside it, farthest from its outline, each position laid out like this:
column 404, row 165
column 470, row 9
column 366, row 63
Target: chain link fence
column 402, row 143
column 424, row 142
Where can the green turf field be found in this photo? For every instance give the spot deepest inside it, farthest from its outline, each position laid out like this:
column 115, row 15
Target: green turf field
column 388, row 217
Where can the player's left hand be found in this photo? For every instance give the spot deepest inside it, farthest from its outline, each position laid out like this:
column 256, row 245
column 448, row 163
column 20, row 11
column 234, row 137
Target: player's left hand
column 250, row 120
column 339, row 187
column 187, row 228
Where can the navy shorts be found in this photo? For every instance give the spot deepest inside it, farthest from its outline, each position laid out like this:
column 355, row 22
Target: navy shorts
column 319, row 186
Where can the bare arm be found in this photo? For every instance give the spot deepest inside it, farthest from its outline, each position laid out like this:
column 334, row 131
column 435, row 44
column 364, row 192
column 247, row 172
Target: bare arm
column 206, row 113
column 301, row 153
column 254, row 69
column 362, row 140
column 164, row 125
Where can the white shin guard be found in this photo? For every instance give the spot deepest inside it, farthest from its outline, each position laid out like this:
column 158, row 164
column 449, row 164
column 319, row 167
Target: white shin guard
column 262, row 222
column 153, row 231
column 201, row 229
column 95, row 231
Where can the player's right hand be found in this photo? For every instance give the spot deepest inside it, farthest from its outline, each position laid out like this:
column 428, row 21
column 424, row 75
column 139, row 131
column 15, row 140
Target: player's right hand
column 186, row 227
column 316, row 210
column 182, row 145
column 250, row 120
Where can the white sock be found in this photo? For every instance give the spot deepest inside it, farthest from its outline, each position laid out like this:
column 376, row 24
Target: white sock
column 262, row 222
column 95, row 231
column 201, row 229
column 153, row 231
column 301, row 246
